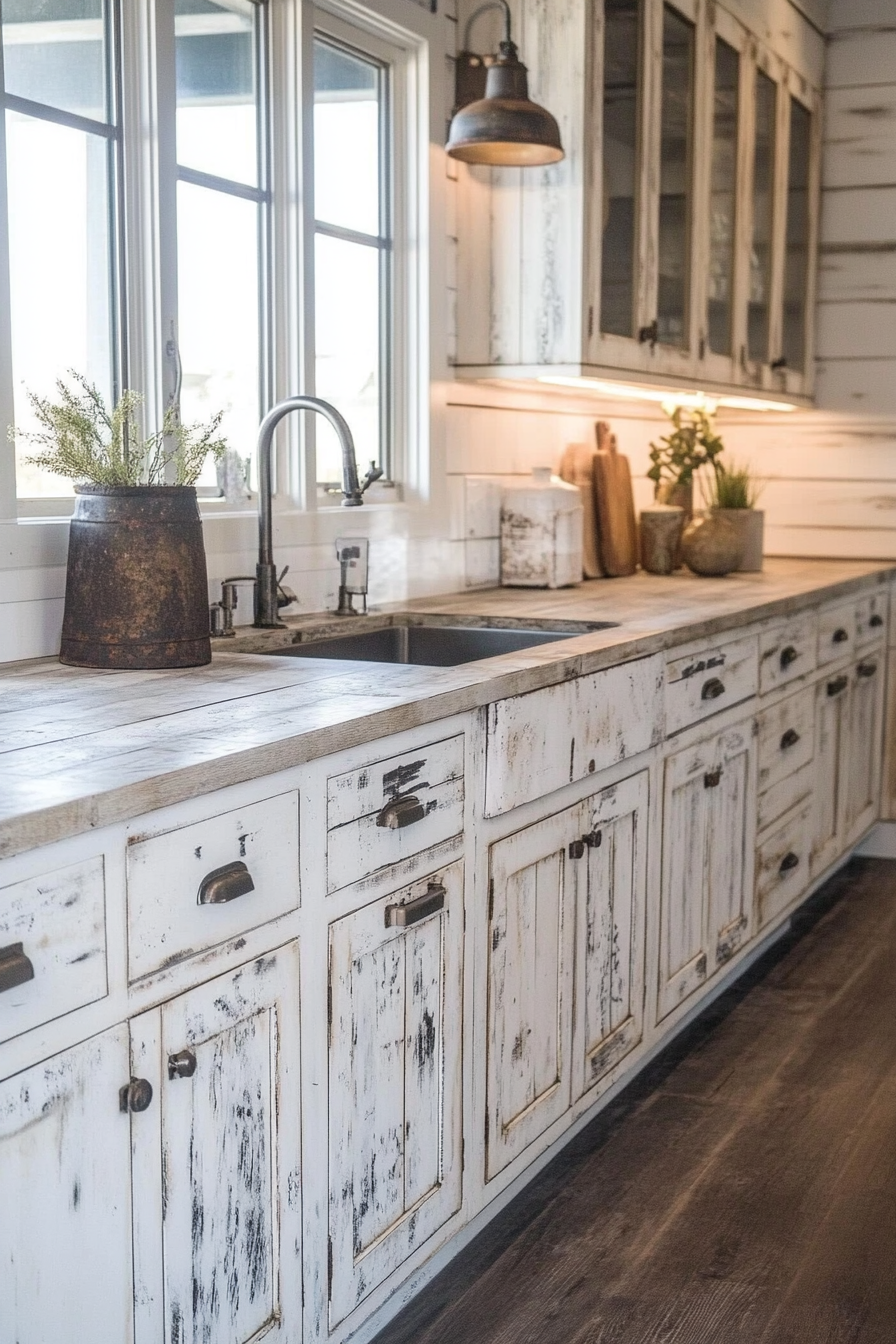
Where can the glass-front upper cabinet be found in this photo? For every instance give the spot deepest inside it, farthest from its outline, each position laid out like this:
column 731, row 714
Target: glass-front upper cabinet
column 676, row 240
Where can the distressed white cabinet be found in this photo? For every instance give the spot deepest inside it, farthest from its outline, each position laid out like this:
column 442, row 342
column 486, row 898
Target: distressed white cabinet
column 831, row 726
column 565, row 961
column 396, row 1014
column 217, row 1158
column 677, row 238
column 65, row 1195
column 862, row 766
column 709, row 830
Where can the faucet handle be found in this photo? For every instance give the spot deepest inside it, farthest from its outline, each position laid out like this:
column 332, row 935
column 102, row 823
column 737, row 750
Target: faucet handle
column 373, row 474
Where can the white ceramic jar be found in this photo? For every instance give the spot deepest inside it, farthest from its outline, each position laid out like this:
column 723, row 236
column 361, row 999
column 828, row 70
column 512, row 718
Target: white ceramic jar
column 541, row 533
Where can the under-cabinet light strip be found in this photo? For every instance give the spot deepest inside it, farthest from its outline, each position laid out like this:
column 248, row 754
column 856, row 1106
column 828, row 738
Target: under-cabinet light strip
column 669, row 395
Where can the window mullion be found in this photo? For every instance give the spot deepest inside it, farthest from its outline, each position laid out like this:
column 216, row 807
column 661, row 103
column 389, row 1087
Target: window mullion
column 8, row 502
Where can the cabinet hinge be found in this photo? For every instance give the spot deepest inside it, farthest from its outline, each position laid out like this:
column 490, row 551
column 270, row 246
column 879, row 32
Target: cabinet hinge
column 491, row 899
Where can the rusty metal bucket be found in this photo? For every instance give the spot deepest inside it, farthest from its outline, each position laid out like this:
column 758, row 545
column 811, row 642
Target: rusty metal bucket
column 136, row 591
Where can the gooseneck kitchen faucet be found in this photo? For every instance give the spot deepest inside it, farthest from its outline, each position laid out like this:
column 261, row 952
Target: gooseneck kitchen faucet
column 266, row 605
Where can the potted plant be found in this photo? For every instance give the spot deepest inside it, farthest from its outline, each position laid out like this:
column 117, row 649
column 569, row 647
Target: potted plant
column 136, row 593
column 692, row 445
column 734, row 492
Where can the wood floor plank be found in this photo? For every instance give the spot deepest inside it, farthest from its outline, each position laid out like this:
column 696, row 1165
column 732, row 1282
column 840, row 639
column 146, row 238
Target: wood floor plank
column 747, row 1196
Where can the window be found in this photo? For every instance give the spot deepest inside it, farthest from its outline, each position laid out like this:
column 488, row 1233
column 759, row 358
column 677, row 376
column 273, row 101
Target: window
column 60, row 140
column 249, row 181
column 222, row 215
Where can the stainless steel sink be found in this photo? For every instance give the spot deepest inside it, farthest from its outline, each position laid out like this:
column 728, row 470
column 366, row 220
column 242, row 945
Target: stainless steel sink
column 432, row 645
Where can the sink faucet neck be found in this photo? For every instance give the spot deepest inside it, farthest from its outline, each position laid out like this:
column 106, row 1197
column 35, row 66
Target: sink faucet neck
column 266, row 604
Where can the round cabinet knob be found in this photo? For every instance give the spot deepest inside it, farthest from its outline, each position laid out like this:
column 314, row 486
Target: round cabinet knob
column 136, row 1095
column 182, row 1065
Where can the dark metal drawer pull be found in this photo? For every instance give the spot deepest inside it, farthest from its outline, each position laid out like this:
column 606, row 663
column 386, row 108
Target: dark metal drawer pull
column 225, row 884
column 402, row 916
column 840, row 636
column 712, row 689
column 576, row 849
column 593, row 839
column 401, row 812
column 135, row 1095
column 789, row 861
column 837, row 685
column 15, row 967
column 712, row 778
column 182, row 1064
column 876, row 621
column 866, row 669
column 789, row 739
column 789, row 655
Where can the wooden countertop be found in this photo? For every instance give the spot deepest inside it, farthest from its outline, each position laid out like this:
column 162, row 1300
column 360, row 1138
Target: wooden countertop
column 84, row 749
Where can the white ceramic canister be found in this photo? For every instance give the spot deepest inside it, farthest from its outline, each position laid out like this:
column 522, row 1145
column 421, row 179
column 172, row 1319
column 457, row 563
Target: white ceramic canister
column 541, row 532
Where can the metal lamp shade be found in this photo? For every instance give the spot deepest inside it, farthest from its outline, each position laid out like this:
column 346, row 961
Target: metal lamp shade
column 505, row 127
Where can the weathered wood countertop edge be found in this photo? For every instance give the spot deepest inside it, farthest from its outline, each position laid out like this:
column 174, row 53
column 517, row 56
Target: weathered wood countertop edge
column 26, row 825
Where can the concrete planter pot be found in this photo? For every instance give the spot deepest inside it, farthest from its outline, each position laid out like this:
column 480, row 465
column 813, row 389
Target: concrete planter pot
column 750, row 527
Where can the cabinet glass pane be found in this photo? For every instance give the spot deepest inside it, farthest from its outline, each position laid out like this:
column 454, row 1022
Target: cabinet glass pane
column 54, row 52
column 723, row 198
column 217, row 105
column 796, row 260
column 675, row 178
column 763, row 206
column 620, row 166
column 348, row 99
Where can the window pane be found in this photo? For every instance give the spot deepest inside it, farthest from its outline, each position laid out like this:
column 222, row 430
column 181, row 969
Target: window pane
column 347, row 346
column 722, row 198
column 217, row 116
column 763, row 204
column 675, row 178
column 620, row 165
column 797, row 256
column 218, row 319
column 347, row 167
column 54, row 53
column 61, row 311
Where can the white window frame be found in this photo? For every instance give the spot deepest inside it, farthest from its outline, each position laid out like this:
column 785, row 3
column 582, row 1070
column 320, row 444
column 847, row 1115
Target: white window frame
column 147, row 213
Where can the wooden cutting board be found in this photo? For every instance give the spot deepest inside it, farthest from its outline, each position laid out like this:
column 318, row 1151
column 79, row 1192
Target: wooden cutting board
column 577, row 468
column 616, row 524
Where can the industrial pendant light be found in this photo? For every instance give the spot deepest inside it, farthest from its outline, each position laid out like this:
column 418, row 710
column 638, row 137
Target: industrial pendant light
column 494, row 121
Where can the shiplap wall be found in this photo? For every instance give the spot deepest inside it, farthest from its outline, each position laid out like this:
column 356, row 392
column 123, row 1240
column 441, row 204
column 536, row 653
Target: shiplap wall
column 830, row 473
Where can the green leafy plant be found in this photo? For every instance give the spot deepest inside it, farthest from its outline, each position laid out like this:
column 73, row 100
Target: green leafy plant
column 734, row 487
column 79, row 438
column 692, row 444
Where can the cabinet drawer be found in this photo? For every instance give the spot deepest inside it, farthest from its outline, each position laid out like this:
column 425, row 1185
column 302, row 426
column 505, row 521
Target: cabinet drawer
column 871, row 619
column 788, row 651
column 387, row 811
column 836, row 632
column 540, row 741
column 52, row 946
column 782, row 866
column 786, row 747
column 181, row 902
column 709, row 678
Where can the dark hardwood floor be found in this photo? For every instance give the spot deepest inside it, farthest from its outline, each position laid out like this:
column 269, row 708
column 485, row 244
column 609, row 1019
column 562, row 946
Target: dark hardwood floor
column 743, row 1192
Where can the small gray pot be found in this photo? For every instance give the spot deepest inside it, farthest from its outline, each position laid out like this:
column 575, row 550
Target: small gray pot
column 750, row 525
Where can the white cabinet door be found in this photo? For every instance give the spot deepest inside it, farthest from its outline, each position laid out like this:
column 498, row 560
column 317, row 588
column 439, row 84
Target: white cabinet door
column 610, row 894
column 530, row 944
column 831, row 729
column 65, row 1181
column 709, row 826
column 230, row 1261
column 396, row 1013
column 861, row 796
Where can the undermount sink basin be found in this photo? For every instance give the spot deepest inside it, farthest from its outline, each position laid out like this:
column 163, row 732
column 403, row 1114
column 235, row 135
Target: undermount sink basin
column 431, row 645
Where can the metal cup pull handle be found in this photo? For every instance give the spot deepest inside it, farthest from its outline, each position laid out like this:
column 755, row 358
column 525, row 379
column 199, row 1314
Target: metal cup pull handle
column 430, row 903
column 712, row 778
column 712, row 689
column 225, row 884
column 876, row 621
column 866, row 669
column 789, row 739
column 15, row 967
column 401, row 812
column 840, row 636
column 789, row 655
column 789, row 862
column 837, row 685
